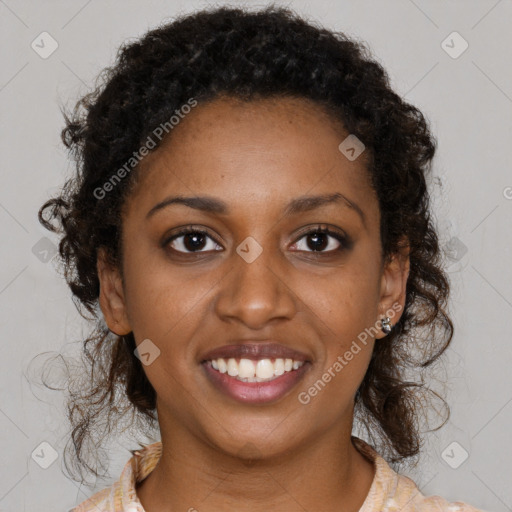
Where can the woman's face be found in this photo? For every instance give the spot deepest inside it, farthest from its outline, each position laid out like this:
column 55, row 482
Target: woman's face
column 256, row 287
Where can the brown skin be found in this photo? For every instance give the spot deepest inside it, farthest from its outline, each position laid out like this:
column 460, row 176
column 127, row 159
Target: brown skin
column 220, row 454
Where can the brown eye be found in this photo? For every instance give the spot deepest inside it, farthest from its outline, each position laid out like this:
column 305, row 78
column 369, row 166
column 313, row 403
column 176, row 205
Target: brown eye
column 192, row 241
column 321, row 241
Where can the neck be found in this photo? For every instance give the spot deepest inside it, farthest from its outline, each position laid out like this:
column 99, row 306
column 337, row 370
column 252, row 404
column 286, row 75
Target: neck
column 194, row 475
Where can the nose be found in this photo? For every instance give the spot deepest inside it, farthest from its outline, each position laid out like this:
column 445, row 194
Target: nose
column 255, row 293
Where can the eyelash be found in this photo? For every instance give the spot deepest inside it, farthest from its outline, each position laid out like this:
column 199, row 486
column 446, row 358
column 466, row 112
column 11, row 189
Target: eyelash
column 345, row 242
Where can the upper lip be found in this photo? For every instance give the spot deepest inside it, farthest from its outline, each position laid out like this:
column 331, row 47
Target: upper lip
column 254, row 350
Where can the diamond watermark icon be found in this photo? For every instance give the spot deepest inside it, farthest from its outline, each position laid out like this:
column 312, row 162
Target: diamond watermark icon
column 44, row 45
column 455, row 249
column 45, row 455
column 454, row 455
column 249, row 249
column 456, row 255
column 147, row 352
column 454, row 45
column 351, row 147
column 44, row 249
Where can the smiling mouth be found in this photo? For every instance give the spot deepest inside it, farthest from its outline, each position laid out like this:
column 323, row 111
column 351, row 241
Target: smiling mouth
column 248, row 370
column 255, row 382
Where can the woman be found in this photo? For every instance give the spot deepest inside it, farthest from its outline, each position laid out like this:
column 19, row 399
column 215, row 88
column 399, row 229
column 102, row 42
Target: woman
column 250, row 212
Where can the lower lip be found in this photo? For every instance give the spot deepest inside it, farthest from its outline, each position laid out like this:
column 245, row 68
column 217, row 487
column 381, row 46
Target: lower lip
column 255, row 392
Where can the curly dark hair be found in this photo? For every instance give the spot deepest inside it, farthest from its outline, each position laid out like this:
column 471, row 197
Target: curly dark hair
column 247, row 55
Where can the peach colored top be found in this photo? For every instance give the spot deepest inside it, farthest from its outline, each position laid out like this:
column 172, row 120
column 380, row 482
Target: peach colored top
column 389, row 492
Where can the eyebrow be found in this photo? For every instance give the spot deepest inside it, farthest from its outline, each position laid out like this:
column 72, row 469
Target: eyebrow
column 298, row 205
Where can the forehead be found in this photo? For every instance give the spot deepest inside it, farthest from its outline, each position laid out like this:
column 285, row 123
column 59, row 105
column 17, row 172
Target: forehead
column 262, row 151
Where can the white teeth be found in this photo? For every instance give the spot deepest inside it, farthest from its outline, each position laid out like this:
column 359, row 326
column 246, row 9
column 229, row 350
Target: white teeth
column 278, row 367
column 232, row 367
column 245, row 368
column 248, row 370
column 264, row 369
column 223, row 367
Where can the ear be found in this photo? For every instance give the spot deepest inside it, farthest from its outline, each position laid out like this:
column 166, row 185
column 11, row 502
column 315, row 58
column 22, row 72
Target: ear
column 393, row 285
column 112, row 301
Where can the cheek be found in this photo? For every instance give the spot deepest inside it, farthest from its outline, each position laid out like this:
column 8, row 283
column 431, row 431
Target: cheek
column 166, row 306
column 344, row 310
column 162, row 300
column 345, row 303
column 344, row 314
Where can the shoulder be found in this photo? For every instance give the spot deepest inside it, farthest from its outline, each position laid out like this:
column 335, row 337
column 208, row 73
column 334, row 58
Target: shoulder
column 122, row 495
column 392, row 492
column 99, row 502
column 408, row 498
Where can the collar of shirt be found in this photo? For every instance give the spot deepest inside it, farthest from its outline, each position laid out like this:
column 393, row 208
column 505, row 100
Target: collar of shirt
column 389, row 491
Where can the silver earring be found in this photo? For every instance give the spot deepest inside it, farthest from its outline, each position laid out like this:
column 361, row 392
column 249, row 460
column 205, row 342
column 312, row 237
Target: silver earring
column 386, row 325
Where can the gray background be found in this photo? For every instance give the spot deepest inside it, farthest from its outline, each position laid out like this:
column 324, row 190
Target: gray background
column 468, row 100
